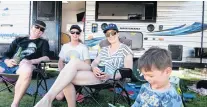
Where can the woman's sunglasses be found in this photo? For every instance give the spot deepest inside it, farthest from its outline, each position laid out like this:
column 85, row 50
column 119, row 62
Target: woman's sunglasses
column 72, row 32
column 38, row 27
column 112, row 33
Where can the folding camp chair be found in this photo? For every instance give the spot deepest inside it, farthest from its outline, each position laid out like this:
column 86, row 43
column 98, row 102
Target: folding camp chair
column 126, row 74
column 175, row 81
column 10, row 79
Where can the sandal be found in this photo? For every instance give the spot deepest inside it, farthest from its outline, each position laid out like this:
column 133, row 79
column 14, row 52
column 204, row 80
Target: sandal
column 79, row 97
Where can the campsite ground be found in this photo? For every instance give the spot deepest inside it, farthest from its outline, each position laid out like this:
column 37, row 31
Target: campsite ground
column 104, row 97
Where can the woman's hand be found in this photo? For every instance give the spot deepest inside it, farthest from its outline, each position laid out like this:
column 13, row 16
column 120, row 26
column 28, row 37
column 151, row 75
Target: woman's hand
column 96, row 71
column 104, row 76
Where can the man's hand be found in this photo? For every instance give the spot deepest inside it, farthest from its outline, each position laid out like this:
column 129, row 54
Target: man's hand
column 25, row 61
column 10, row 62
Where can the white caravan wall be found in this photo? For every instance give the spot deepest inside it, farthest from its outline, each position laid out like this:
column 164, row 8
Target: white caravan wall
column 205, row 21
column 15, row 13
column 169, row 14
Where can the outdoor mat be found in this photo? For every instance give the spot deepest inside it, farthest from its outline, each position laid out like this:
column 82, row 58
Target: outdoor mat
column 131, row 88
column 41, row 92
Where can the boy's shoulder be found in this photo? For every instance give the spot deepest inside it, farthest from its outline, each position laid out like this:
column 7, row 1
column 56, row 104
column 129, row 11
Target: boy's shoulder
column 170, row 91
column 166, row 97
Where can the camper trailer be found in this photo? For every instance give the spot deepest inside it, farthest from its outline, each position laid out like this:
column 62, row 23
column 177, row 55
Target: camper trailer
column 16, row 18
column 180, row 26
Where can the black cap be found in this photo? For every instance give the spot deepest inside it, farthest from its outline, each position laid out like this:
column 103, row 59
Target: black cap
column 76, row 27
column 40, row 23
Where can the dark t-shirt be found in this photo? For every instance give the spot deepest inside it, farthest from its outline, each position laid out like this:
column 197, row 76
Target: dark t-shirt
column 31, row 49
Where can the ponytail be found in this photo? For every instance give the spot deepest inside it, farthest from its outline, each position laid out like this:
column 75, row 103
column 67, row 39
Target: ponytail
column 80, row 41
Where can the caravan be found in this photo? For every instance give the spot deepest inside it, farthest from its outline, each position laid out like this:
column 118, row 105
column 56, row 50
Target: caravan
column 180, row 26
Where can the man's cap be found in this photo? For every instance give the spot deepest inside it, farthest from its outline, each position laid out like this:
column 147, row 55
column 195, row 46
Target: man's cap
column 75, row 27
column 40, row 23
column 111, row 27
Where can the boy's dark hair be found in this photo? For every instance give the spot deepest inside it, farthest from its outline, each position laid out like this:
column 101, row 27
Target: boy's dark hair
column 155, row 57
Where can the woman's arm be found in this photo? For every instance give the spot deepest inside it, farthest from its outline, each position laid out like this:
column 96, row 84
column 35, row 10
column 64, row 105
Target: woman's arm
column 60, row 64
column 95, row 62
column 128, row 61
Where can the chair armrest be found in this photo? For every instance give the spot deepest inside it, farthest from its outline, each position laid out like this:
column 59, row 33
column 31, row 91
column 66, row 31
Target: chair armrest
column 125, row 73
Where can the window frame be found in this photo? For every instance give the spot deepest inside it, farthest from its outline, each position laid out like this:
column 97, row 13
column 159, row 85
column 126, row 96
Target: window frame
column 123, row 20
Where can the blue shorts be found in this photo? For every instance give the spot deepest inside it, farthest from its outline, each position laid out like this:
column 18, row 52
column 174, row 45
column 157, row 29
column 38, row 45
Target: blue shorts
column 8, row 70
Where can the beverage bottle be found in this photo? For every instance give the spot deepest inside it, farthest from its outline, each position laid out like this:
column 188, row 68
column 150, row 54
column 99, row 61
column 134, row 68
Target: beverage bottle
column 101, row 66
column 17, row 56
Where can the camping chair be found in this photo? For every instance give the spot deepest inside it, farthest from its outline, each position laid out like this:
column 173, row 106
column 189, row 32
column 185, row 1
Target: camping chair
column 10, row 79
column 126, row 74
column 112, row 83
column 175, row 81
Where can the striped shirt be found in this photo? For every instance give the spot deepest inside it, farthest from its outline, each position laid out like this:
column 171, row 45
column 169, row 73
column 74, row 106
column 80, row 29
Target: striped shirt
column 115, row 60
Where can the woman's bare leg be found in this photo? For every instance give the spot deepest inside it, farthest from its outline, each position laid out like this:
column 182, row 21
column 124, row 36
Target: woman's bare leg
column 66, row 76
column 81, row 78
column 70, row 95
column 60, row 96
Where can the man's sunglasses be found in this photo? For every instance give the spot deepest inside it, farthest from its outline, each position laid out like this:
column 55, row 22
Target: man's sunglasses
column 112, row 33
column 78, row 33
column 38, row 27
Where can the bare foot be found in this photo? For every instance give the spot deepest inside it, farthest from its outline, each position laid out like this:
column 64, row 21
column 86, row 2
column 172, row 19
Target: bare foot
column 44, row 102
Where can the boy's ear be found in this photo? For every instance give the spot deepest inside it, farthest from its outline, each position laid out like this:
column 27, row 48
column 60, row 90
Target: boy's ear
column 168, row 70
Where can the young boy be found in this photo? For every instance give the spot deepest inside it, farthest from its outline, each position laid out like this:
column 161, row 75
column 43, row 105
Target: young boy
column 156, row 66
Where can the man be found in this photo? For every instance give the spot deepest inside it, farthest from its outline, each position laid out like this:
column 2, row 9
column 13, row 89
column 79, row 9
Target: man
column 34, row 50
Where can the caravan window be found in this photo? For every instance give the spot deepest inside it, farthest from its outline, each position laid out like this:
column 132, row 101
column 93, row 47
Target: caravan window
column 126, row 10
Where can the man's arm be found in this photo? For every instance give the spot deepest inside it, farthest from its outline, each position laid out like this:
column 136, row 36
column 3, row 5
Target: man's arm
column 45, row 53
column 11, row 50
column 10, row 53
column 38, row 60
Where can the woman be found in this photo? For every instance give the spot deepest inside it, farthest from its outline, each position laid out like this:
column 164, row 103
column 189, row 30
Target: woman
column 76, row 72
column 73, row 49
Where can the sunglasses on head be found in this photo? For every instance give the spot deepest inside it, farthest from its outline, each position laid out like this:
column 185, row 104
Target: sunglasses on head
column 112, row 33
column 72, row 32
column 38, row 27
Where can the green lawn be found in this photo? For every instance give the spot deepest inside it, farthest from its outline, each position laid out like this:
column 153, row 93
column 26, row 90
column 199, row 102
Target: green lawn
column 104, row 97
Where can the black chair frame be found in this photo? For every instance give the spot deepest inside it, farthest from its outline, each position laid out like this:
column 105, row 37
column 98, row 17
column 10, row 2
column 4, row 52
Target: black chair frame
column 39, row 72
column 112, row 83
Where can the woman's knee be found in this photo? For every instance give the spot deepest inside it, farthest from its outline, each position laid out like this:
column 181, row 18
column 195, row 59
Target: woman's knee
column 60, row 97
column 74, row 62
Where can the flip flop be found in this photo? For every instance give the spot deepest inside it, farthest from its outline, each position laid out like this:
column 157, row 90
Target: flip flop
column 79, row 97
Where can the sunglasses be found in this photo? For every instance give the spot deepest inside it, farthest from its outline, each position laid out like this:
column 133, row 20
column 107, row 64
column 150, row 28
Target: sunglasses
column 112, row 33
column 72, row 32
column 38, row 27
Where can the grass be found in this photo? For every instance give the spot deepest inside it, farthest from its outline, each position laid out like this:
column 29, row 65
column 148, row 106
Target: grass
column 104, row 97
column 6, row 98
